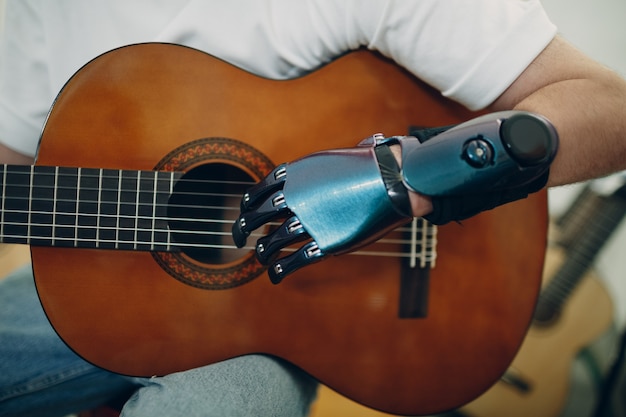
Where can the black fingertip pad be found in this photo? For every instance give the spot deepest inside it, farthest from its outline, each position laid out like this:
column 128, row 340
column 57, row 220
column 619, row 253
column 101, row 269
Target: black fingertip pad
column 239, row 235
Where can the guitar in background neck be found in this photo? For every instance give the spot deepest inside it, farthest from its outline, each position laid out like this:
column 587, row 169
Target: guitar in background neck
column 585, row 230
column 572, row 311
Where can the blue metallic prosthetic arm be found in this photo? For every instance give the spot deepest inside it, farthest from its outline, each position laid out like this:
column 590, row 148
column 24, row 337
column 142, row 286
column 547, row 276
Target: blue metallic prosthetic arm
column 480, row 164
column 340, row 200
column 337, row 199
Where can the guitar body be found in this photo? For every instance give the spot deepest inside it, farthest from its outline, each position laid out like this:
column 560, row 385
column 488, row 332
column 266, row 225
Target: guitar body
column 140, row 313
column 547, row 353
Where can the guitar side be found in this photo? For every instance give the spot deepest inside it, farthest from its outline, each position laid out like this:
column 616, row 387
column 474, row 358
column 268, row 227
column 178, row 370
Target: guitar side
column 338, row 320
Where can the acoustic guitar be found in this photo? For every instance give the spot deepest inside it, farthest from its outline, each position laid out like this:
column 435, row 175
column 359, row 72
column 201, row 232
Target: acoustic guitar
column 139, row 173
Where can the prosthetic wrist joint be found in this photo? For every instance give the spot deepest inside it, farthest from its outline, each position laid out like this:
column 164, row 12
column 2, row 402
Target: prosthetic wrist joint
column 477, row 165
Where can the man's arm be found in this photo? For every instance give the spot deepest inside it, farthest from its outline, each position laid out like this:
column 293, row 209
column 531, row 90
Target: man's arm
column 584, row 100
column 587, row 104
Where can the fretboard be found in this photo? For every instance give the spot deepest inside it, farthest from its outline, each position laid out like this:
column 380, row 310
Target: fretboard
column 598, row 218
column 85, row 207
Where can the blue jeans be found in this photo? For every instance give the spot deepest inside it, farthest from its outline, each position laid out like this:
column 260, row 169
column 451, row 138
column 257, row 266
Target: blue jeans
column 40, row 376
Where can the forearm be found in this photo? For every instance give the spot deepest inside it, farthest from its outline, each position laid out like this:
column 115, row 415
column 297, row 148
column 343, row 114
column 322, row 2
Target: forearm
column 587, row 104
column 475, row 166
column 590, row 116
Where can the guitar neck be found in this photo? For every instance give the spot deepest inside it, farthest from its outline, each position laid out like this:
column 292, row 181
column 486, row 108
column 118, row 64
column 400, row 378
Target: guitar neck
column 602, row 214
column 85, row 207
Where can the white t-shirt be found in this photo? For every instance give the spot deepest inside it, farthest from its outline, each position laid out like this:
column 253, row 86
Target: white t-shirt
column 470, row 50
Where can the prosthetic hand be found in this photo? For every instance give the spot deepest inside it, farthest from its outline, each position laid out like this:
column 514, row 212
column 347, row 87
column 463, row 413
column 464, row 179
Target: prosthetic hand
column 340, row 200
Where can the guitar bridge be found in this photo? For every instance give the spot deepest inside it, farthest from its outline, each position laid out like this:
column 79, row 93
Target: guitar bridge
column 415, row 271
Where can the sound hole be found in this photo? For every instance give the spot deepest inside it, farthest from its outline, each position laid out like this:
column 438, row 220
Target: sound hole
column 202, row 209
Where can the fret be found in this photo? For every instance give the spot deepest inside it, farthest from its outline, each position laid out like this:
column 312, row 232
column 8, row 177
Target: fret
column 30, row 202
column 144, row 211
column 164, row 188
column 108, row 208
column 171, row 192
column 42, row 195
column 155, row 189
column 66, row 207
column 86, row 207
column 54, row 204
column 137, row 210
column 16, row 180
column 127, row 210
column 77, row 207
column 99, row 203
column 4, row 182
column 154, row 207
column 119, row 210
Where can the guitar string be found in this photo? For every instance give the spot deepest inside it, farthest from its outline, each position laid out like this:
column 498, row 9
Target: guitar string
column 558, row 291
column 156, row 218
column 133, row 204
column 428, row 255
column 73, row 214
column 119, row 190
column 427, row 251
column 134, row 190
column 386, row 240
column 8, row 171
column 99, row 190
